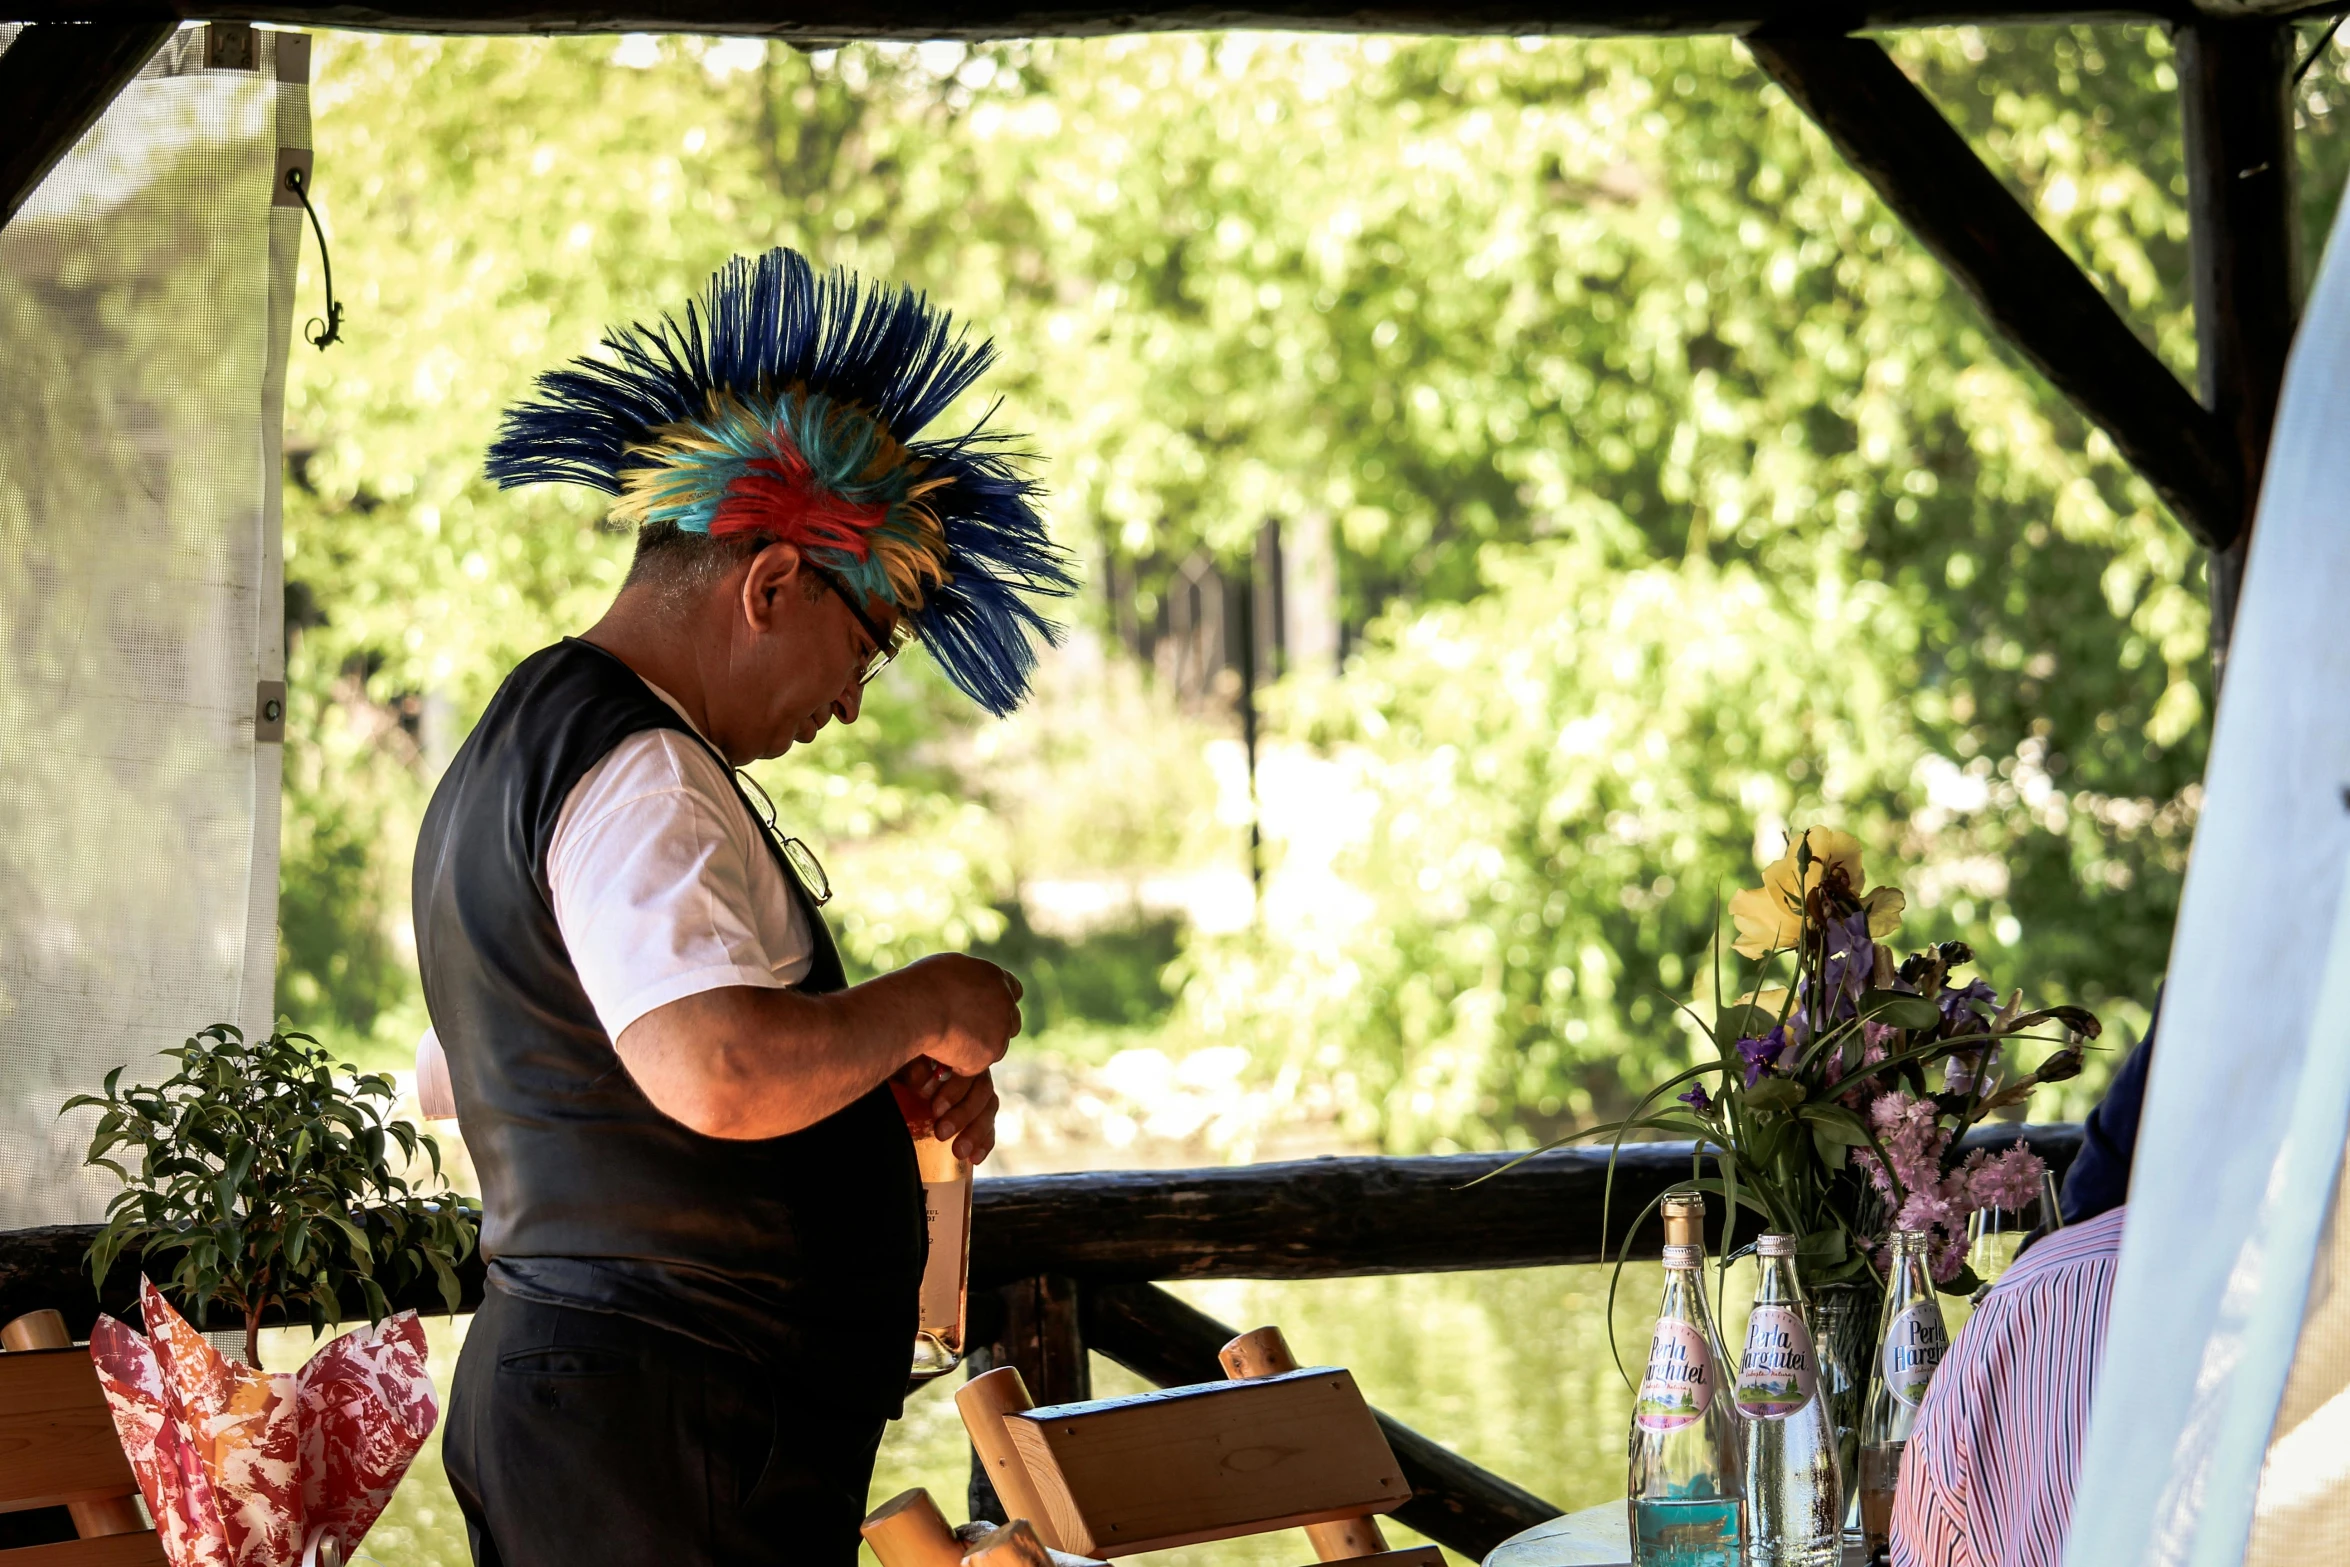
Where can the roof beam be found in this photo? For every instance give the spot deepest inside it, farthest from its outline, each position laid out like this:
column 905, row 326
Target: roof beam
column 832, row 20
column 2236, row 90
column 2033, row 292
column 55, row 81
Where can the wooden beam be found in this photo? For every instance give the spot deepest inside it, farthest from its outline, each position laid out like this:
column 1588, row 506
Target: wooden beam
column 834, row 20
column 2034, row 294
column 2236, row 103
column 1340, row 1218
column 55, row 81
column 1306, row 1219
column 1166, row 1341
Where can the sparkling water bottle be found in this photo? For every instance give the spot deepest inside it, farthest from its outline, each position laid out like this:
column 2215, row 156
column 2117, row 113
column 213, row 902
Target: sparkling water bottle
column 1910, row 1343
column 1685, row 1500
column 1794, row 1501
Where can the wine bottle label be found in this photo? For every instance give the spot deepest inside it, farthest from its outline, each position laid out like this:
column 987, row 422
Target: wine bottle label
column 1686, row 1533
column 1778, row 1375
column 1915, row 1341
column 1679, row 1384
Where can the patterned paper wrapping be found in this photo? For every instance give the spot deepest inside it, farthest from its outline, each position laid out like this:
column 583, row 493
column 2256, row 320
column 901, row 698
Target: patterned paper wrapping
column 246, row 1468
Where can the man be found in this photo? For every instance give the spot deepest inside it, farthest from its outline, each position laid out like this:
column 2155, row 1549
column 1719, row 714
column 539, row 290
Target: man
column 703, row 1220
column 1988, row 1477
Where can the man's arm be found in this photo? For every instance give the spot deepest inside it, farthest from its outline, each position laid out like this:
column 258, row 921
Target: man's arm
column 747, row 1062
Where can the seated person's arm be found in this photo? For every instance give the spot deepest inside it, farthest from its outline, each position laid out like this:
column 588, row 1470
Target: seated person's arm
column 745, row 1061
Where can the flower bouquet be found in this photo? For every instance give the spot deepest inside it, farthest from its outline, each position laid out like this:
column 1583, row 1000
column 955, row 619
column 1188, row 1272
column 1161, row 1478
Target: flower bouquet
column 1823, row 1118
column 1824, row 1121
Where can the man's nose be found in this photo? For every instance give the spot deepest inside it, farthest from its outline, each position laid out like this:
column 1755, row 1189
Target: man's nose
column 846, row 706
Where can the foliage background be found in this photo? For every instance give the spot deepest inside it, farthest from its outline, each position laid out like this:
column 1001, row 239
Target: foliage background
column 1678, row 496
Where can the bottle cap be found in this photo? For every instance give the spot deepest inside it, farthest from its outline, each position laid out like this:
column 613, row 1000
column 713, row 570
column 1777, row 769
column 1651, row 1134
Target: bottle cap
column 1910, row 1240
column 1684, row 1219
column 1775, row 1246
column 1684, row 1257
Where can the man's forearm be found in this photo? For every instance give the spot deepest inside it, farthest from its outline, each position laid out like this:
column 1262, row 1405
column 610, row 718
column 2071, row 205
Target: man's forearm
column 746, row 1062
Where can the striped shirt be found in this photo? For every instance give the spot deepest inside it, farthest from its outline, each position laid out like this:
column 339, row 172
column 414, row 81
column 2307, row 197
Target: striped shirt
column 1988, row 1477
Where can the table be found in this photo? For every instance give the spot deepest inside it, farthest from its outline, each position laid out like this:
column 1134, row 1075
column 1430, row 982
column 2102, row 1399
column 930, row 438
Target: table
column 1595, row 1537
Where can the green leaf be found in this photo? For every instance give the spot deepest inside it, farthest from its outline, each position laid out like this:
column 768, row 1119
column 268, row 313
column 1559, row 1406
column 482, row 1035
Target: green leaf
column 1823, row 1247
column 1900, row 1009
column 1835, row 1123
column 1772, row 1094
column 1741, row 1020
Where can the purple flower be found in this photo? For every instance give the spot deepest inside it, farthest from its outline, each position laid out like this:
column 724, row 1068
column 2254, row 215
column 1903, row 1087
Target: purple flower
column 1960, row 1006
column 1697, row 1098
column 1762, row 1055
column 1852, row 959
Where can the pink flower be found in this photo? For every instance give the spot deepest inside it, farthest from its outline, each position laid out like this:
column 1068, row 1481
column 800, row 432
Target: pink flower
column 2011, row 1180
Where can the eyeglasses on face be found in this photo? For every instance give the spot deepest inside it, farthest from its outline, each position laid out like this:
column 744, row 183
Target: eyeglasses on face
column 886, row 644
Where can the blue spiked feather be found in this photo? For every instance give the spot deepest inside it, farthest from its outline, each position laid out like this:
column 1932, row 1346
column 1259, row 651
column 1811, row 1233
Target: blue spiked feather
column 773, row 332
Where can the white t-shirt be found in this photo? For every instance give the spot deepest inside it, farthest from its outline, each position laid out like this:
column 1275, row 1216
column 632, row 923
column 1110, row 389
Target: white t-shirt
column 664, row 886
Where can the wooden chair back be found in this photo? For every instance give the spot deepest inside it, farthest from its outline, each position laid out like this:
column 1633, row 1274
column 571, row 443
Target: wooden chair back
column 58, row 1448
column 1276, row 1448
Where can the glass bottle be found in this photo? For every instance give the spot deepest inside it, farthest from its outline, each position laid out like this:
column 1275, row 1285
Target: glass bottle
column 1794, row 1498
column 946, row 1218
column 1911, row 1340
column 1683, row 1493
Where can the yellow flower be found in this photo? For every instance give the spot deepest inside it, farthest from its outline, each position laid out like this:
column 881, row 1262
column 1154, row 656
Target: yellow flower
column 1770, row 917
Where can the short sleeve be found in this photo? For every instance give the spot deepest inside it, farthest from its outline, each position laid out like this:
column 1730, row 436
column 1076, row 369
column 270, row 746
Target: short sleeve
column 664, row 887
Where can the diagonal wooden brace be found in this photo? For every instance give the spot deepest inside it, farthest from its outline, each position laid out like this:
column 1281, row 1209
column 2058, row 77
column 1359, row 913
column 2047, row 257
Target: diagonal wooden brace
column 2033, row 292
column 55, row 81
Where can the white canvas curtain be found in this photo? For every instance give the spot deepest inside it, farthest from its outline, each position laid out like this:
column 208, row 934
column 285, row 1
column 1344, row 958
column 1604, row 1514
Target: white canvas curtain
column 2240, row 1153
column 145, row 298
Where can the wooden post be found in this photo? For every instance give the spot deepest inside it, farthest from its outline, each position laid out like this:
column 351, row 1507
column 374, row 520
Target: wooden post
column 984, row 1402
column 114, row 1515
column 1265, row 1353
column 1043, row 1339
column 2235, row 91
column 908, row 1530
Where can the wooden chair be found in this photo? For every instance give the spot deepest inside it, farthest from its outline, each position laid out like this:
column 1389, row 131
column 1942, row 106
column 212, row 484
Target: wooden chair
column 1276, row 1447
column 58, row 1448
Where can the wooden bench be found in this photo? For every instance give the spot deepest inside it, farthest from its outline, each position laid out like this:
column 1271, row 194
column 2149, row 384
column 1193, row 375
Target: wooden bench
column 58, row 1448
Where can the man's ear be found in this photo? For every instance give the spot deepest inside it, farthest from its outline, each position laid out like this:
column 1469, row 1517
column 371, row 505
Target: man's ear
column 772, row 581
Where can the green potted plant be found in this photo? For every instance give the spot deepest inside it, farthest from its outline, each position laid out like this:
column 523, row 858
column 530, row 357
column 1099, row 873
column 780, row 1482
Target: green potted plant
column 274, row 1180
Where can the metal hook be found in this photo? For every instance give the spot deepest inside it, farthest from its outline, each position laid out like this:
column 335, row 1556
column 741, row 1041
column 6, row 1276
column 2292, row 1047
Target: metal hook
column 316, row 332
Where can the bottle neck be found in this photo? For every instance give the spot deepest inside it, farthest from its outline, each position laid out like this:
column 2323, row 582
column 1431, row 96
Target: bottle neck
column 1778, row 1284
column 1908, row 1278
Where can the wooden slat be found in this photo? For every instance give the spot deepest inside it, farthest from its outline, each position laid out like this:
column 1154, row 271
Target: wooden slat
column 115, row 1550
column 55, row 81
column 920, row 19
column 2034, row 294
column 57, row 1442
column 1189, row 1465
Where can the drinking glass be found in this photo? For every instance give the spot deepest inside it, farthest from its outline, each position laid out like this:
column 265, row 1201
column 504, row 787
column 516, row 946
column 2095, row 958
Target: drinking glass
column 1995, row 1235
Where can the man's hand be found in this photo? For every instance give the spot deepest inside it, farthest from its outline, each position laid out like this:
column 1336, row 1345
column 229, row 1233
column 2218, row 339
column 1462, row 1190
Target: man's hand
column 965, row 1108
column 977, row 1010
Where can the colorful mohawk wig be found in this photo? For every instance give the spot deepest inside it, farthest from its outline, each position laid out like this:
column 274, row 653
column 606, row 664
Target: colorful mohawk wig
column 785, row 405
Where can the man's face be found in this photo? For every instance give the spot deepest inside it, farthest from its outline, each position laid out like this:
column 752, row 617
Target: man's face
column 796, row 653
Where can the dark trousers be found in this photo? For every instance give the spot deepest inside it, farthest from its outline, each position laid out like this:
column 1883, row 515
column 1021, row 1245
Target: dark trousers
column 578, row 1437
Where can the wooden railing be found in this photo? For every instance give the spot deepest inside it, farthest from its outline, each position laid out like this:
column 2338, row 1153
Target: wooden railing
column 1067, row 1265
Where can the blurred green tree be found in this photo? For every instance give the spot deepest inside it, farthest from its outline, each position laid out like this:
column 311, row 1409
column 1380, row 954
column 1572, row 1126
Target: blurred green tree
column 1597, row 341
